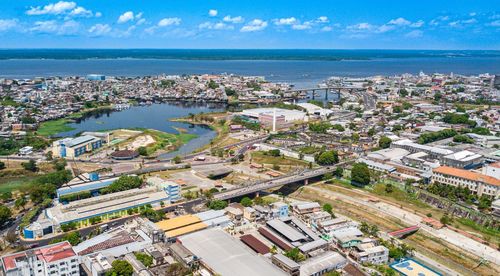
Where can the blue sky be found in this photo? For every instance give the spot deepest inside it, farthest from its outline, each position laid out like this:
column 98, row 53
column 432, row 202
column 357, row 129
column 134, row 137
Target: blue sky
column 436, row 24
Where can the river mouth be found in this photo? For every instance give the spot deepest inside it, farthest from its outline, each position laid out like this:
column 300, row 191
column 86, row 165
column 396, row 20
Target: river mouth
column 156, row 116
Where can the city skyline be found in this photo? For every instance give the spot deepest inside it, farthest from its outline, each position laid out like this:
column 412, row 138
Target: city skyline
column 250, row 25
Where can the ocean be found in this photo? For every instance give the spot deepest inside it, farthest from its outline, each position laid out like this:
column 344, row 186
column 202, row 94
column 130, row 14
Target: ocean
column 300, row 67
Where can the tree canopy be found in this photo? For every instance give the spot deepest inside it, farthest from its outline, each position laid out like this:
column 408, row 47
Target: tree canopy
column 360, row 174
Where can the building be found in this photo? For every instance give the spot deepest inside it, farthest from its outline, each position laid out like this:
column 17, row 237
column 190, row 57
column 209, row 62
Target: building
column 485, row 140
column 370, row 253
column 106, row 205
column 463, row 159
column 286, row 264
column 492, row 170
column 306, row 208
column 95, row 77
column 171, row 188
column 92, row 186
column 54, row 259
column 74, row 147
column 322, row 264
column 26, row 150
column 226, row 256
column 477, row 183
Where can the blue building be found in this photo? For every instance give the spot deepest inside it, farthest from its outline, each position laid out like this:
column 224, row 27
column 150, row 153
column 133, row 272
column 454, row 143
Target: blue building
column 96, row 77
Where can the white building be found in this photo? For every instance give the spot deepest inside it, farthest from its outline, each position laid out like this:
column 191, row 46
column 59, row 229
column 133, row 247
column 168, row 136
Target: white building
column 478, row 183
column 368, row 252
column 54, row 259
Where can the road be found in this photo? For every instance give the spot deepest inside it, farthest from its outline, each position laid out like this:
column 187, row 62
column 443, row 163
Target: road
column 276, row 182
column 369, row 101
column 114, row 223
column 410, row 218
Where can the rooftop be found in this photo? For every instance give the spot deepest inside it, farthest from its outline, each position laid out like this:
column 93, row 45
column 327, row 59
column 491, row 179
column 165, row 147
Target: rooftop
column 226, row 255
column 289, row 232
column 50, row 253
column 470, row 175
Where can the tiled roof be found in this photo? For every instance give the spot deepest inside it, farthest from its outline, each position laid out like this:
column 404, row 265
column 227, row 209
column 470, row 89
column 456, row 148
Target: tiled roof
column 470, row 175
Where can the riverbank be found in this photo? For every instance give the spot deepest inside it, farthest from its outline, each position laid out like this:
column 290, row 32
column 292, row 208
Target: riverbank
column 216, row 121
column 53, row 127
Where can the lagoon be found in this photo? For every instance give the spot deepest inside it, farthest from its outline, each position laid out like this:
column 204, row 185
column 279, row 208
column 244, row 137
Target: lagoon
column 155, row 116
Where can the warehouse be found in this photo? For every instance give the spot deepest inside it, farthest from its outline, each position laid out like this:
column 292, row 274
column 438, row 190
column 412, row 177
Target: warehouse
column 105, row 205
column 225, row 255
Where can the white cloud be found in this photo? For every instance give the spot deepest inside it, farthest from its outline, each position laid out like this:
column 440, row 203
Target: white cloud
column 141, row 21
column 60, row 7
column 81, row 12
column 385, row 28
column 495, row 23
column 169, row 21
column 99, row 29
column 215, row 26
column 454, row 24
column 469, row 21
column 7, row 24
column 417, row 24
column 414, row 34
column 399, row 22
column 304, row 26
column 234, row 20
column 51, row 26
column 326, row 29
column 322, row 19
column 125, row 17
column 98, row 14
column 213, row 13
column 254, row 25
column 285, row 21
column 360, row 27
column 472, row 14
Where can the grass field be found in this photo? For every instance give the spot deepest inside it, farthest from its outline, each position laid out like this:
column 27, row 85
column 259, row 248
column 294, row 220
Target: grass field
column 260, row 158
column 167, row 141
column 18, row 183
column 53, row 127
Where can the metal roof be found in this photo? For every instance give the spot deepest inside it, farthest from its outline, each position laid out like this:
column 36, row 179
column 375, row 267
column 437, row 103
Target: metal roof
column 226, row 255
column 286, row 230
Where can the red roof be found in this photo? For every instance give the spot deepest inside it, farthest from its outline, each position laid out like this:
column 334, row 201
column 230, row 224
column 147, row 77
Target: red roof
column 255, row 244
column 51, row 253
column 273, row 238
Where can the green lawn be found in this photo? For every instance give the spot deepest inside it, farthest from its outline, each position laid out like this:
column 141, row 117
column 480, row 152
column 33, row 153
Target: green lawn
column 53, row 127
column 167, row 141
column 9, row 185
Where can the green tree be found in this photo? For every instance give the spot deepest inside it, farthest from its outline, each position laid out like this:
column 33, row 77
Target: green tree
column 20, row 202
column 327, row 208
column 388, row 188
column 295, row 255
column 5, row 214
column 125, row 182
column 339, row 172
column 246, row 201
column 2, row 165
column 177, row 159
column 142, row 151
column 360, row 174
column 152, row 214
column 144, row 258
column 328, row 158
column 30, row 165
column 6, row 196
column 384, row 142
column 120, row 268
column 73, row 238
column 217, row 204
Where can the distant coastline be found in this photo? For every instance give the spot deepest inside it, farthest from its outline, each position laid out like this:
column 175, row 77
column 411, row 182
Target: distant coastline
column 236, row 54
